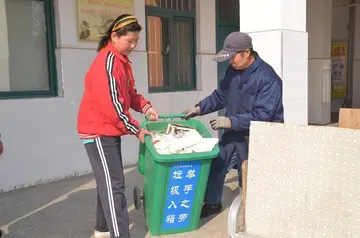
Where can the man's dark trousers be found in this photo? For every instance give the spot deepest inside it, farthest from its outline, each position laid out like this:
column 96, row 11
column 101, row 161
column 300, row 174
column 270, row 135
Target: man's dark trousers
column 220, row 166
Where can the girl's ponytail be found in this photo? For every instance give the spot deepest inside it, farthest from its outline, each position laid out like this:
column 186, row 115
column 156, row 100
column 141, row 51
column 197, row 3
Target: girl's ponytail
column 103, row 42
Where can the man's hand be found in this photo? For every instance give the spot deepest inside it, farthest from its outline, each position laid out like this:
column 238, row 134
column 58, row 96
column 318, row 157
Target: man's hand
column 141, row 135
column 218, row 123
column 152, row 114
column 191, row 112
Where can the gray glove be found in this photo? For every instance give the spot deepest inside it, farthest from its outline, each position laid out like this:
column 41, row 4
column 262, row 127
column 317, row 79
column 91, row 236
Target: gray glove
column 218, row 123
column 191, row 112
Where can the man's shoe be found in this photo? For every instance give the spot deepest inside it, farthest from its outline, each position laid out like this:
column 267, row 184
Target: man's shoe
column 210, row 209
column 99, row 234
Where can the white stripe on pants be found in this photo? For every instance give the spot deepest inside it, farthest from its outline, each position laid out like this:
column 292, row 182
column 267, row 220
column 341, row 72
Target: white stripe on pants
column 105, row 158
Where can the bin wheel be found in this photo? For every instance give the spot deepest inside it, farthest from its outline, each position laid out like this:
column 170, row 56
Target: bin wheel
column 137, row 198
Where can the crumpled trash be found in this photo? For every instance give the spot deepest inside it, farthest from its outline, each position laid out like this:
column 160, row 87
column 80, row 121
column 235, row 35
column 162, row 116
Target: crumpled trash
column 181, row 140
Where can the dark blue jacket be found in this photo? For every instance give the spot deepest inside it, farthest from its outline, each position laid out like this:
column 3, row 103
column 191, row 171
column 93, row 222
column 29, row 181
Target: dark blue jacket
column 254, row 94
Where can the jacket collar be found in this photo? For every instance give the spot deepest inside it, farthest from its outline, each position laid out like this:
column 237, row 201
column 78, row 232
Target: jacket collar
column 246, row 73
column 112, row 49
column 255, row 64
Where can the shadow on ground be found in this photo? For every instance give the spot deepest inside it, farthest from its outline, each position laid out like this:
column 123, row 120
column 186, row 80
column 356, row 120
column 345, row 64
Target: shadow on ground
column 69, row 210
column 230, row 191
column 66, row 209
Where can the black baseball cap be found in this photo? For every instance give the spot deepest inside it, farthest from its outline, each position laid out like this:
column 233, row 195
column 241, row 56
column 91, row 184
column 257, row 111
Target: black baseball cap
column 235, row 42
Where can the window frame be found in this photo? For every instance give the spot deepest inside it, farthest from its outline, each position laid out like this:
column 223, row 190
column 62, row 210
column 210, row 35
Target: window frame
column 51, row 46
column 172, row 14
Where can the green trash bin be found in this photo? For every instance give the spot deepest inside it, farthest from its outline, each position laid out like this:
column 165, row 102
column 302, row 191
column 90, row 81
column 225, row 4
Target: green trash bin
column 174, row 185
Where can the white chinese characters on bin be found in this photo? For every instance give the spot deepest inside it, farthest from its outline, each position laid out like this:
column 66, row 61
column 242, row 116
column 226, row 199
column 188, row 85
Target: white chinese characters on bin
column 178, row 174
column 175, row 190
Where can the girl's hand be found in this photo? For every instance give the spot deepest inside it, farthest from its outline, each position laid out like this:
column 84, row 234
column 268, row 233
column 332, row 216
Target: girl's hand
column 141, row 135
column 152, row 114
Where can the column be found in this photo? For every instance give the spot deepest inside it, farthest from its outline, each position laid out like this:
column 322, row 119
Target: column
column 206, row 44
column 319, row 18
column 206, row 67
column 278, row 29
column 4, row 50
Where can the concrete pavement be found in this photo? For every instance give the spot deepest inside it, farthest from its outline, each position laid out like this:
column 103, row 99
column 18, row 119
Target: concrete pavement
column 66, row 209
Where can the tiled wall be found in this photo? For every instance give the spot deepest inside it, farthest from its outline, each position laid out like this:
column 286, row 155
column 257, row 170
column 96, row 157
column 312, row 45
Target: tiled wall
column 303, row 181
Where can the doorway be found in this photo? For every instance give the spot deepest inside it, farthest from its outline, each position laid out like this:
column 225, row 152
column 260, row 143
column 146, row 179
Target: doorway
column 227, row 21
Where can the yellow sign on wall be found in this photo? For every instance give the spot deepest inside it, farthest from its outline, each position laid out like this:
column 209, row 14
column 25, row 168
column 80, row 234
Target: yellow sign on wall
column 95, row 16
column 339, row 52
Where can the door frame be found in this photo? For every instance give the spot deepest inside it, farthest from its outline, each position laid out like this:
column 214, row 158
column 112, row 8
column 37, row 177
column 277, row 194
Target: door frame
column 220, row 23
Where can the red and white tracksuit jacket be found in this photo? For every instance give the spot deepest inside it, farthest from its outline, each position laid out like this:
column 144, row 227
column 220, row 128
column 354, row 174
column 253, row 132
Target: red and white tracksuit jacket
column 108, row 96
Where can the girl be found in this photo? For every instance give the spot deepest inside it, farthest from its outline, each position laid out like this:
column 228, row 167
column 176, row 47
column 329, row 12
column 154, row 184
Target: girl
column 104, row 117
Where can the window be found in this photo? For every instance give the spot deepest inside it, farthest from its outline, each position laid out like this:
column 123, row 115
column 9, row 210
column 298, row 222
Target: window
column 228, row 11
column 27, row 49
column 171, row 45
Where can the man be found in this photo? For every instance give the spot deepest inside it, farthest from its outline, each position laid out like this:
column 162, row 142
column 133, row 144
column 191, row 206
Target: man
column 251, row 91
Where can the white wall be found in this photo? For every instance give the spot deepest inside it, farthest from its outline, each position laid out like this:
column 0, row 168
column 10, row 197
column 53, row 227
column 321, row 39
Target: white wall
column 40, row 136
column 274, row 39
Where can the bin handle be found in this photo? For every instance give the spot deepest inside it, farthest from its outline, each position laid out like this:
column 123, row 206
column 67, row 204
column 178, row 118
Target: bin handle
column 169, row 116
